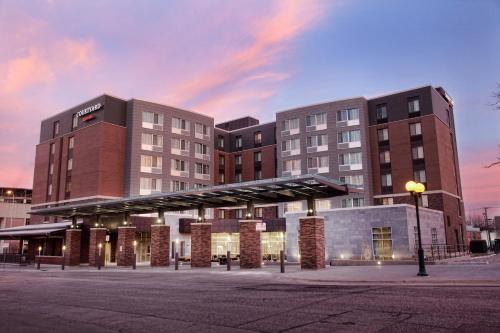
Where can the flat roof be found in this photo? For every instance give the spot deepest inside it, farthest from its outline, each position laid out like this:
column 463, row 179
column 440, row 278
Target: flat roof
column 274, row 190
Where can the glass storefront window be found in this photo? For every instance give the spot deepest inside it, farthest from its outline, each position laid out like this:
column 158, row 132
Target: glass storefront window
column 382, row 243
column 222, row 242
column 272, row 243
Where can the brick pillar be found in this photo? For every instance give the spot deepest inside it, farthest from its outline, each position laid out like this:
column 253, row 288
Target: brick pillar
column 160, row 245
column 312, row 242
column 73, row 243
column 250, row 249
column 201, row 244
column 97, row 235
column 125, row 246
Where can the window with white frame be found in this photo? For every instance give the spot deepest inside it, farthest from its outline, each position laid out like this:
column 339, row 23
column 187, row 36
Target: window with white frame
column 294, row 206
column 179, row 146
column 316, row 122
column 49, row 189
column 415, row 129
column 70, row 164
column 417, row 152
column 258, row 212
column 202, row 169
column 201, row 131
column 383, row 134
column 237, row 177
column 153, row 142
column 71, row 142
column 151, row 164
column 386, row 180
column 385, row 157
column 352, row 202
column 239, row 213
column 180, row 126
column 351, row 116
column 179, row 168
column 290, row 126
column 322, row 204
column 201, row 151
column 149, row 185
column 292, row 167
column 353, row 180
column 352, row 159
column 318, row 164
column 152, row 120
column 222, row 177
column 317, row 143
column 178, row 185
column 419, row 176
column 387, row 201
column 51, row 169
column 414, row 105
column 349, row 139
column 290, row 147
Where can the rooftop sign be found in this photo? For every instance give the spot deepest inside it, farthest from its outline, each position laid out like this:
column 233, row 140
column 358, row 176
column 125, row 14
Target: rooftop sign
column 88, row 110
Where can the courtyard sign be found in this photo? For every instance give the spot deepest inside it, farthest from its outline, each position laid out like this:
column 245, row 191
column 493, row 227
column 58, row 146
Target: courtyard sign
column 90, row 109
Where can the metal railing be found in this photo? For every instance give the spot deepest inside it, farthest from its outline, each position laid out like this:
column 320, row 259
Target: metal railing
column 13, row 258
column 433, row 252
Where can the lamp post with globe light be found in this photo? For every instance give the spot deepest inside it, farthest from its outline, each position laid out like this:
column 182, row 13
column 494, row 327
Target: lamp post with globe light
column 416, row 190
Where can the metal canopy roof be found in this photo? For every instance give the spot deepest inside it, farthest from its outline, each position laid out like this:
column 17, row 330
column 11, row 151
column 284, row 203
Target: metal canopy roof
column 273, row 190
column 33, row 230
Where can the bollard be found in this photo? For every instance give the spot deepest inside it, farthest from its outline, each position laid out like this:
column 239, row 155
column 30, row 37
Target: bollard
column 38, row 265
column 99, row 262
column 176, row 261
column 282, row 261
column 228, row 260
column 134, row 263
column 62, row 265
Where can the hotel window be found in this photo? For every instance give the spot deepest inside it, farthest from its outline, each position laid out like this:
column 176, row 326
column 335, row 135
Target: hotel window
column 222, row 177
column 258, row 212
column 74, row 123
column 177, row 185
column 385, row 157
column 201, row 131
column 382, row 242
column 419, row 176
column 292, row 166
column 201, row 149
column 67, row 188
column 239, row 213
column 348, row 115
column 55, row 129
column 353, row 180
column 417, row 153
column 415, row 129
column 197, row 186
column 222, row 160
column 52, row 148
column 149, row 185
column 316, row 141
column 295, row 206
column 258, row 174
column 349, row 136
column 222, row 213
column 257, row 138
column 423, row 200
column 387, row 201
column 238, row 142
column 179, row 165
column 49, row 190
column 179, row 125
column 381, row 111
column 413, row 105
column 350, row 158
column 237, row 160
column 152, row 120
column 70, row 164
column 383, row 134
column 316, row 122
column 71, row 142
column 290, row 126
column 51, row 169
column 318, row 162
column 179, row 146
column 386, row 180
column 257, row 156
column 151, row 141
column 202, row 169
column 323, row 204
column 237, row 177
column 290, row 147
column 352, row 202
column 152, row 164
column 220, row 141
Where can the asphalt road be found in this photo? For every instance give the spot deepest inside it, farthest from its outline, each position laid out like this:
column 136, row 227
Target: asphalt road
column 253, row 301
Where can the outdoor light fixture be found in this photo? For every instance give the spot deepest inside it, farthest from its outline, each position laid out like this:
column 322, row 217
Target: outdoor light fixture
column 100, row 245
column 158, row 220
column 393, row 256
column 124, row 222
column 96, row 224
column 199, row 218
column 135, row 243
column 64, row 248
column 249, row 215
column 379, row 263
column 416, row 190
column 341, row 256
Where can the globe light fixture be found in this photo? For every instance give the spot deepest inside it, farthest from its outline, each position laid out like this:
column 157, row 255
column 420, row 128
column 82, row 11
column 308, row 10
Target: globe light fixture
column 416, row 190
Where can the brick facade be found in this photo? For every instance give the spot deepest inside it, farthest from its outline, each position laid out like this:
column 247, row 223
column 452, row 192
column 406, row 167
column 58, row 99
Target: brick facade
column 97, row 236
column 201, row 244
column 125, row 247
column 160, row 241
column 73, row 243
column 250, row 248
column 312, row 242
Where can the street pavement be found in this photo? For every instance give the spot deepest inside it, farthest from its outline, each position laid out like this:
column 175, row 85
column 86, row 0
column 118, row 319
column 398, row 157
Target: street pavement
column 460, row 298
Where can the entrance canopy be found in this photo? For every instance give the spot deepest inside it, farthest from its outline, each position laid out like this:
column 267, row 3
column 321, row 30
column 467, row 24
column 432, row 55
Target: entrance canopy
column 273, row 190
column 33, row 230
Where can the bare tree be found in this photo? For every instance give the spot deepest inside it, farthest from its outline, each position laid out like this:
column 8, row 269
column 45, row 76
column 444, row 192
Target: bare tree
column 496, row 106
column 476, row 220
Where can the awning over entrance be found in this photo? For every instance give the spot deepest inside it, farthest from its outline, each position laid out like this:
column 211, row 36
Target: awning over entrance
column 273, row 190
column 33, row 230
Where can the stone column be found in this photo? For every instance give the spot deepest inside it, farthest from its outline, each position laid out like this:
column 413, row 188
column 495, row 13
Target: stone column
column 250, row 248
column 160, row 245
column 201, row 244
column 73, row 243
column 97, row 235
column 312, row 242
column 125, row 246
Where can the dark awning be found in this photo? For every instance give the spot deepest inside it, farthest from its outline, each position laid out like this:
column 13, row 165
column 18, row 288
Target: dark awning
column 273, row 190
column 44, row 229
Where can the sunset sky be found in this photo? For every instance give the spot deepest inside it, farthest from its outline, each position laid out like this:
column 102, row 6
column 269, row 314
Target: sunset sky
column 234, row 58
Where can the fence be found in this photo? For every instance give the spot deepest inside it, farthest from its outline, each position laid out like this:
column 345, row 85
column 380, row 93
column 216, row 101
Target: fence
column 433, row 252
column 13, row 258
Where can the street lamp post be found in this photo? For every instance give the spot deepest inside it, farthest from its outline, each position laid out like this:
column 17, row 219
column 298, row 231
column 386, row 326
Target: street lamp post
column 99, row 246
column 135, row 254
column 63, row 256
column 416, row 190
column 11, row 193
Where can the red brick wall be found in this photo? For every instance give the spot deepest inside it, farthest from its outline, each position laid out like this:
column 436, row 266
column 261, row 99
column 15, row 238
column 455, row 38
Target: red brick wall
column 201, row 244
column 126, row 236
column 250, row 249
column 312, row 243
column 97, row 235
column 160, row 245
column 73, row 246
